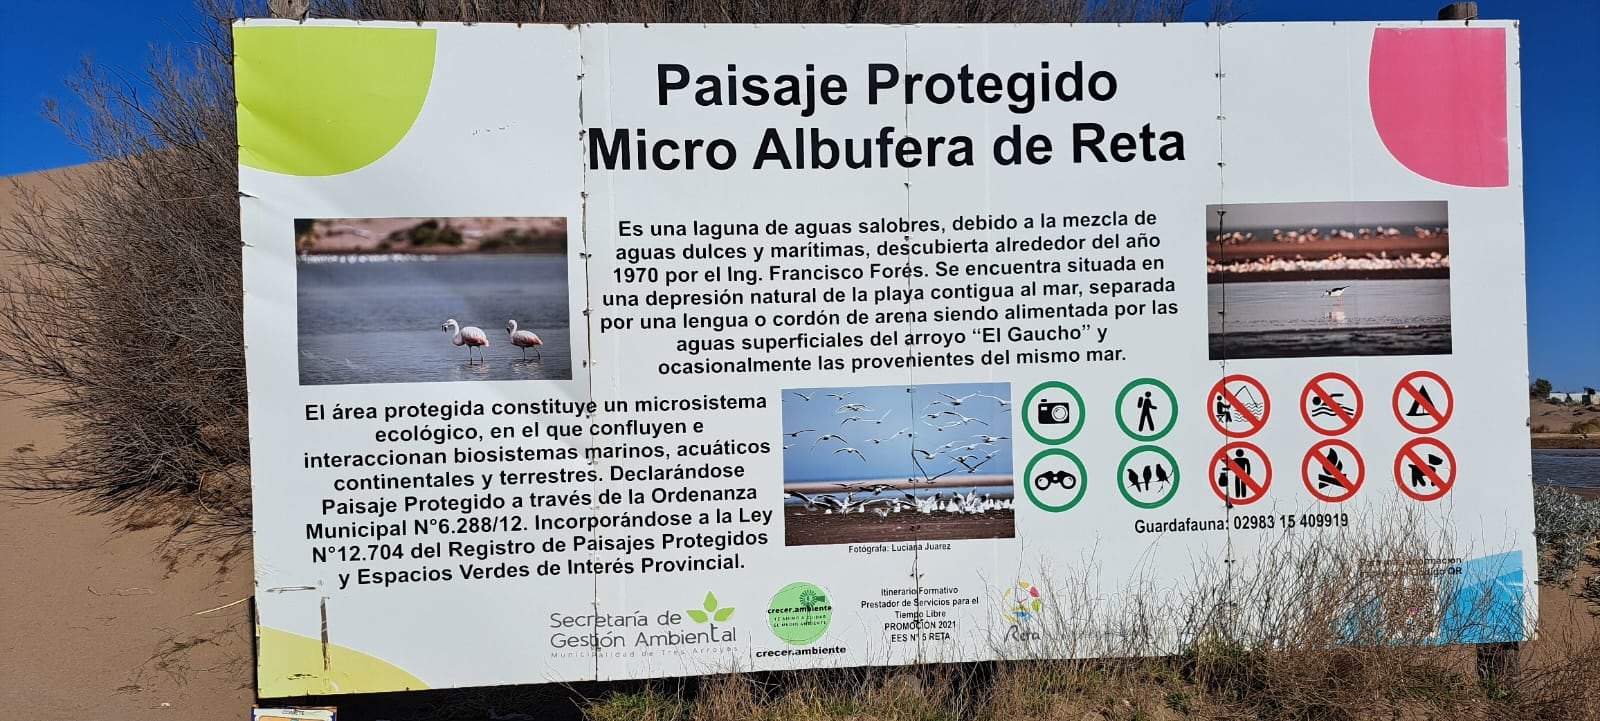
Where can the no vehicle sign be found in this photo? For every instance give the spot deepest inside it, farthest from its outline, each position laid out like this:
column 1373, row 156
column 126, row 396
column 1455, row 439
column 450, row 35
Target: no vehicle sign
column 1240, row 473
column 1425, row 469
column 1423, row 402
column 1331, row 404
column 1239, row 406
column 1333, row 470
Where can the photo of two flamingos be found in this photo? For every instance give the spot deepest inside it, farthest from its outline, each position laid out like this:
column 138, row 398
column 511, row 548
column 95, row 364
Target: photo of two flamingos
column 406, row 300
column 897, row 463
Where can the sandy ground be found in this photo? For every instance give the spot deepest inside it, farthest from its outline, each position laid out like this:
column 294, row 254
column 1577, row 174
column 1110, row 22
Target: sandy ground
column 1551, row 425
column 96, row 624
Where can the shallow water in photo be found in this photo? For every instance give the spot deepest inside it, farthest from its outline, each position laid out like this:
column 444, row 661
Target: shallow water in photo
column 1291, row 319
column 1562, row 467
column 379, row 322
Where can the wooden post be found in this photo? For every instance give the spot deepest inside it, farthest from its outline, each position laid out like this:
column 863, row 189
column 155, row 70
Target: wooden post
column 1459, row 11
column 1498, row 663
column 289, row 9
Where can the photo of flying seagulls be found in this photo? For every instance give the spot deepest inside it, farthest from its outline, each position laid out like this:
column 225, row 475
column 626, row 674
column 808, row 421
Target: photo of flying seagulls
column 897, row 463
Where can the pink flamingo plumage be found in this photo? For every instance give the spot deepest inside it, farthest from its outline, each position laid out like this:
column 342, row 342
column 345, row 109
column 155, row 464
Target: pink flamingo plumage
column 470, row 336
column 524, row 339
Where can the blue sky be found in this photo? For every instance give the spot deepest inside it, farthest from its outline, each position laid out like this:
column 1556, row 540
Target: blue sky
column 43, row 44
column 900, row 420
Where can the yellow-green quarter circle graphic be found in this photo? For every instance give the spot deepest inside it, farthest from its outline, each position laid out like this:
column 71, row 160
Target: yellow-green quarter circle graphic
column 294, row 665
column 316, row 101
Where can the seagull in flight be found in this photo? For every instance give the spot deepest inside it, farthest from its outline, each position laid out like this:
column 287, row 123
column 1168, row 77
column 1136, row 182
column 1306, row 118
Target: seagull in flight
column 852, row 451
column 853, row 408
column 897, row 434
column 803, row 396
column 840, row 396
column 1336, row 292
column 997, row 399
column 796, row 434
column 826, row 437
column 973, row 468
column 879, row 420
column 961, row 420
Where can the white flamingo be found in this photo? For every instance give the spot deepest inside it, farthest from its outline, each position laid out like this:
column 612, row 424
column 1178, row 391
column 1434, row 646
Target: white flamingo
column 524, row 339
column 470, row 336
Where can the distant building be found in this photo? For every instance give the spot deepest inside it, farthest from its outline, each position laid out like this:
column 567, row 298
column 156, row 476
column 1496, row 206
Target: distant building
column 1573, row 397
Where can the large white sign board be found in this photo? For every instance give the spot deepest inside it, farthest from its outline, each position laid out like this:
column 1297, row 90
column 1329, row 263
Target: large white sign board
column 608, row 352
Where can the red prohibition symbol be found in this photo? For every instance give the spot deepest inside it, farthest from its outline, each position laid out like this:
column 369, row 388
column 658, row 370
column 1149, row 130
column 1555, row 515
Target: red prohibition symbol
column 1240, row 473
column 1333, row 470
column 1419, row 409
column 1331, row 404
column 1239, row 406
column 1417, row 469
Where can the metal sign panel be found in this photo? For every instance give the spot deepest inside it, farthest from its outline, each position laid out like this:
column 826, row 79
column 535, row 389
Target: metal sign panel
column 615, row 351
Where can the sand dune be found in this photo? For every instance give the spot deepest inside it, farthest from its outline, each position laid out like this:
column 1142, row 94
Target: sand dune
column 97, row 625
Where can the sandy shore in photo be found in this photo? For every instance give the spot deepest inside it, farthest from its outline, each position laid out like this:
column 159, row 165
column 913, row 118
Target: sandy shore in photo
column 804, row 529
column 391, row 235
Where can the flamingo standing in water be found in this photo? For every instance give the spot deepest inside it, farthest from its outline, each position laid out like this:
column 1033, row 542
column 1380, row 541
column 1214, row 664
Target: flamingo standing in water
column 470, row 336
column 524, row 339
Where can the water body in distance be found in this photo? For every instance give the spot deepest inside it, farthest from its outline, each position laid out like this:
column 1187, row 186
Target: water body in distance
column 1576, row 468
column 379, row 322
column 1294, row 319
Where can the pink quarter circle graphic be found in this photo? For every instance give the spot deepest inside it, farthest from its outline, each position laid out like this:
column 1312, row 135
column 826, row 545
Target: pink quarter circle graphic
column 1438, row 99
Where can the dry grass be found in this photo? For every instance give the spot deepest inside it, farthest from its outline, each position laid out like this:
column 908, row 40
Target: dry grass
column 1336, row 642
column 123, row 316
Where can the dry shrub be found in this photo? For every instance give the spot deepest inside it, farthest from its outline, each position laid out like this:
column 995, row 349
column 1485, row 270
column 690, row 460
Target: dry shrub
column 1338, row 625
column 1560, row 680
column 123, row 318
column 649, row 704
column 911, row 693
column 1567, row 529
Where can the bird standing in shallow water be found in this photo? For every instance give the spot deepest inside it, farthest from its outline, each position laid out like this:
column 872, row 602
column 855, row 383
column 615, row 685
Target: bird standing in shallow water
column 470, row 336
column 524, row 339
